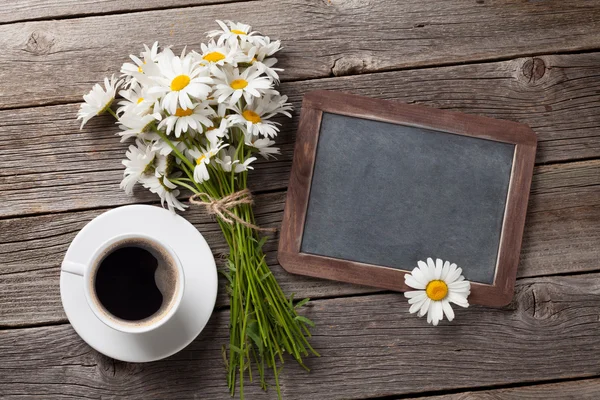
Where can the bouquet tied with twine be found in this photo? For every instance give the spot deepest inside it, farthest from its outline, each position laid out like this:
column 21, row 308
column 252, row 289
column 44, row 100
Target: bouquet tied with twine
column 198, row 120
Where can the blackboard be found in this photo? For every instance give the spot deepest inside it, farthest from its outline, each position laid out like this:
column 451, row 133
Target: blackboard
column 394, row 194
column 377, row 186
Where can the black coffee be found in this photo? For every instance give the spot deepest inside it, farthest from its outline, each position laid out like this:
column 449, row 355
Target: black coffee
column 126, row 286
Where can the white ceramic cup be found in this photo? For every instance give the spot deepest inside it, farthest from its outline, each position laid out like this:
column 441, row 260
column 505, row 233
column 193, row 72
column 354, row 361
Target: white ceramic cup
column 88, row 272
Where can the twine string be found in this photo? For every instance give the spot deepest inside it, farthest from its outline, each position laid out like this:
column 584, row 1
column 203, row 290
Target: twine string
column 223, row 207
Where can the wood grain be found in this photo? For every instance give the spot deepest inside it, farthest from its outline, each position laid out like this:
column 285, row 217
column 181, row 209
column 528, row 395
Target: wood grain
column 28, row 10
column 584, row 389
column 48, row 165
column 561, row 236
column 49, row 62
column 368, row 350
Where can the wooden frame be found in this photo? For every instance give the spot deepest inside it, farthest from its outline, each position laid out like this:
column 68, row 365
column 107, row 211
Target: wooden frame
column 316, row 103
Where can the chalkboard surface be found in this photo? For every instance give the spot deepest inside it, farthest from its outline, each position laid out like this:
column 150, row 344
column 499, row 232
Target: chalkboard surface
column 391, row 195
column 376, row 186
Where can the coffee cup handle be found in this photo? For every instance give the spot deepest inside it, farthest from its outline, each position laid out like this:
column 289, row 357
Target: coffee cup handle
column 73, row 267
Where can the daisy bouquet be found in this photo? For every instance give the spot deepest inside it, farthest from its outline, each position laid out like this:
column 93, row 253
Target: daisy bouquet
column 198, row 121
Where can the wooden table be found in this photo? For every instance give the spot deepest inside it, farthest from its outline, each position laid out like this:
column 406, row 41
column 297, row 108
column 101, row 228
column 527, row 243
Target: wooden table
column 536, row 62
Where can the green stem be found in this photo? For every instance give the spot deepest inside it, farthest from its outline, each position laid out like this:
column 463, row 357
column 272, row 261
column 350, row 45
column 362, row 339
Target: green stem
column 174, row 148
column 110, row 111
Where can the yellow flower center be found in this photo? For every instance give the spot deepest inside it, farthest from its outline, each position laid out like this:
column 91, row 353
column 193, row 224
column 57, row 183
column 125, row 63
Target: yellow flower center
column 251, row 116
column 238, row 84
column 140, row 70
column 140, row 100
column 238, row 32
column 180, row 82
column 180, row 112
column 436, row 290
column 200, row 159
column 214, row 56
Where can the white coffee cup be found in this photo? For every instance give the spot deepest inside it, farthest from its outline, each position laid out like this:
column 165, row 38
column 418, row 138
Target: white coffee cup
column 169, row 278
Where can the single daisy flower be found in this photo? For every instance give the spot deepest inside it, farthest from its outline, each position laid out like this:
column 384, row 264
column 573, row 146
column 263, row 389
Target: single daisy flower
column 140, row 159
column 192, row 118
column 214, row 133
column 259, row 55
column 203, row 157
column 164, row 149
column 143, row 67
column 256, row 117
column 231, row 32
column 227, row 158
column 165, row 189
column 218, row 55
column 134, row 125
column 264, row 146
column 138, row 100
column 181, row 81
column 98, row 100
column 231, row 85
column 438, row 284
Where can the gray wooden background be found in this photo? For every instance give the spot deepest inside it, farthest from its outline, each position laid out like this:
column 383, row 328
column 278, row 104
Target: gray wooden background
column 536, row 62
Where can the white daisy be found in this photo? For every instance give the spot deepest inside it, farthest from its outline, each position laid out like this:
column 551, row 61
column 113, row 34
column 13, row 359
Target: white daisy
column 255, row 117
column 260, row 56
column 213, row 54
column 231, row 85
column 438, row 284
column 227, row 158
column 134, row 125
column 264, row 146
column 163, row 148
column 140, row 158
column 165, row 189
column 138, row 100
column 98, row 100
column 214, row 134
column 181, row 81
column 193, row 118
column 203, row 157
column 143, row 67
column 231, row 32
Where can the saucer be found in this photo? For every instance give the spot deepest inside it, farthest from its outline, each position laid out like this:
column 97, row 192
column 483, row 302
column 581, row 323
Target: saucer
column 199, row 295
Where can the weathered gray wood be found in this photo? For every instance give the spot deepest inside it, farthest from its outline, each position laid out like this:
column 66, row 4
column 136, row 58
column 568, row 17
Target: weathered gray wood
column 584, row 389
column 370, row 346
column 47, row 164
column 28, row 10
column 561, row 236
column 57, row 61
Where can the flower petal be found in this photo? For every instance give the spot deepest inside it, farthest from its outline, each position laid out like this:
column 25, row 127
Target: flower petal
column 412, row 282
column 438, row 268
column 427, row 275
column 459, row 285
column 420, row 276
column 458, row 300
column 413, row 293
column 431, row 263
column 452, row 272
column 424, row 307
column 417, row 299
column 445, row 270
column 448, row 310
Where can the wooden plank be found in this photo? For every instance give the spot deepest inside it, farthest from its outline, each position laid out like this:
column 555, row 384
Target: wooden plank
column 370, row 347
column 28, row 10
column 562, row 235
column 581, row 389
column 57, row 61
column 47, row 164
